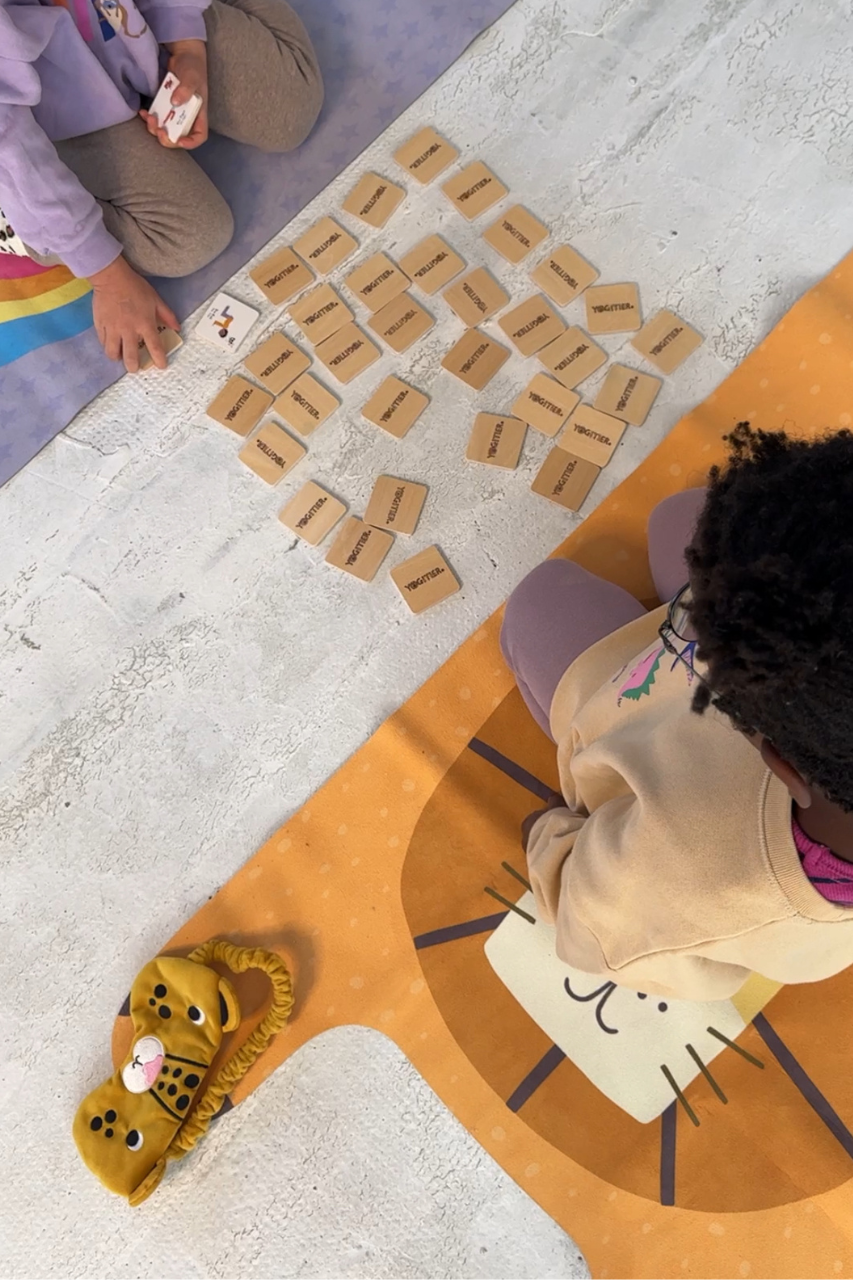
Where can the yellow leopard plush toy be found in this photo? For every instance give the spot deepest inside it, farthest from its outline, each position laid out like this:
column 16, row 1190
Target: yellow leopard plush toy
column 154, row 1107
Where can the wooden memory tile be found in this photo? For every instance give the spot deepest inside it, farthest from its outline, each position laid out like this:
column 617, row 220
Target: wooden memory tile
column 325, row 245
column 348, row 352
column 396, row 504
column 281, row 276
column 628, row 394
column 395, row 407
column 592, row 435
column 359, row 549
column 426, row 155
column 474, row 190
column 377, row 281
column 305, row 404
column 432, row 264
column 276, row 363
column 515, row 233
column 565, row 479
column 564, row 274
column 239, row 406
column 532, row 325
column 170, row 340
column 475, row 359
column 496, row 440
column 425, row 579
column 666, row 341
column 545, row 404
column 271, row 453
column 320, row 313
column 573, row 357
column 312, row 513
column 612, row 308
column 476, row 297
column 373, row 199
column 400, row 323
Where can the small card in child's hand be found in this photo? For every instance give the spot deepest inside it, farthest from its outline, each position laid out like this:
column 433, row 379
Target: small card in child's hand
column 177, row 121
column 226, row 322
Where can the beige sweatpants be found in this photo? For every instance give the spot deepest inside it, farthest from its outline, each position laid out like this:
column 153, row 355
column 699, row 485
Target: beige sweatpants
column 265, row 89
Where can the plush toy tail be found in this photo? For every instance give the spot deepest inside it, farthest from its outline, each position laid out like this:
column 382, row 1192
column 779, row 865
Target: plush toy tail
column 238, row 960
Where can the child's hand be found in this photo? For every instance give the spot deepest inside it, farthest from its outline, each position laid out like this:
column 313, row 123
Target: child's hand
column 188, row 62
column 126, row 312
column 554, row 802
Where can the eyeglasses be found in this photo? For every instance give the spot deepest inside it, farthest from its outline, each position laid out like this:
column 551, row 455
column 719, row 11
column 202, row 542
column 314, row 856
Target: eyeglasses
column 676, row 632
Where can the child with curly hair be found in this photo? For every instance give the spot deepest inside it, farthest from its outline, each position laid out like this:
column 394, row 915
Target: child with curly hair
column 705, row 750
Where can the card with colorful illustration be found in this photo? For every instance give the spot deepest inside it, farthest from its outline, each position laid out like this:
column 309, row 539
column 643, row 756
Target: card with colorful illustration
column 177, row 121
column 226, row 322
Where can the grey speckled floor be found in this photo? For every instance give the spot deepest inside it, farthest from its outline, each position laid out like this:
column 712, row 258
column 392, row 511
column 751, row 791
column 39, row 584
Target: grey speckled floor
column 175, row 679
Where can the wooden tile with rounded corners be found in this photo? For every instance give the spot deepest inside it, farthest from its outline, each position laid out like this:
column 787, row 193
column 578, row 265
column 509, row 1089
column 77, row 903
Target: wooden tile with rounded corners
column 348, row 353
column 476, row 297
column 306, row 404
column 592, row 435
column 475, row 359
column 564, row 274
column 377, row 281
column 276, row 363
column 396, row 504
column 312, row 513
column 425, row 579
column 320, row 313
column 240, row 405
column 565, row 479
column 545, row 404
column 666, row 341
column 515, row 233
column 401, row 323
column 474, row 190
column 432, row 264
column 373, row 199
column 573, row 357
column 271, row 453
column 612, row 308
column 281, row 276
column 359, row 549
column 496, row 440
column 395, row 406
column 426, row 155
column 170, row 340
column 532, row 325
column 325, row 245
column 628, row 394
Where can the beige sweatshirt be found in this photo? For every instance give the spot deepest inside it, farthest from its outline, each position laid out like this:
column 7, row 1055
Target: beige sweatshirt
column 673, row 870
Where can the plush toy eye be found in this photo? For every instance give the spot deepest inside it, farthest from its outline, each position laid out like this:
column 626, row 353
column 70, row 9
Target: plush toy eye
column 195, row 1015
column 134, row 1140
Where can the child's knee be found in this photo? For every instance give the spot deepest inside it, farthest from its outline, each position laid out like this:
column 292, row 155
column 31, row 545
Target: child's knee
column 207, row 234
column 292, row 114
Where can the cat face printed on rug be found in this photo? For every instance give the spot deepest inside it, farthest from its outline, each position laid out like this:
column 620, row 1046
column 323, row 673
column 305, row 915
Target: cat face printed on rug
column 621, row 1039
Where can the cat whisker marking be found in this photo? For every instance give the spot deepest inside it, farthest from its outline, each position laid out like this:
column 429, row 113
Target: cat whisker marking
column 706, row 1073
column 519, row 877
column 679, row 1095
column 756, row 1062
column 512, row 906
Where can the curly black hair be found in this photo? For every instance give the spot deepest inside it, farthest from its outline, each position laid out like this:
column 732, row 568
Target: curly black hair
column 771, row 577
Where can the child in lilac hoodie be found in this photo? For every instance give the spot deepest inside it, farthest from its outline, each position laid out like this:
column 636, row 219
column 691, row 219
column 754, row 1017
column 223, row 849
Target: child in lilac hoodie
column 87, row 178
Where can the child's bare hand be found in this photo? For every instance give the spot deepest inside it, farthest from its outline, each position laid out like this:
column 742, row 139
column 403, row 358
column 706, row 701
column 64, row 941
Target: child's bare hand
column 188, row 62
column 127, row 311
column 554, row 802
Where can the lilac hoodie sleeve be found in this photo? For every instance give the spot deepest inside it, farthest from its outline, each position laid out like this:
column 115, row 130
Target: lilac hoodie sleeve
column 175, row 19
column 45, row 202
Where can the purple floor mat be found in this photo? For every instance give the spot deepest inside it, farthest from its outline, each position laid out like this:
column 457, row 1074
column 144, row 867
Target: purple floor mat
column 377, row 57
